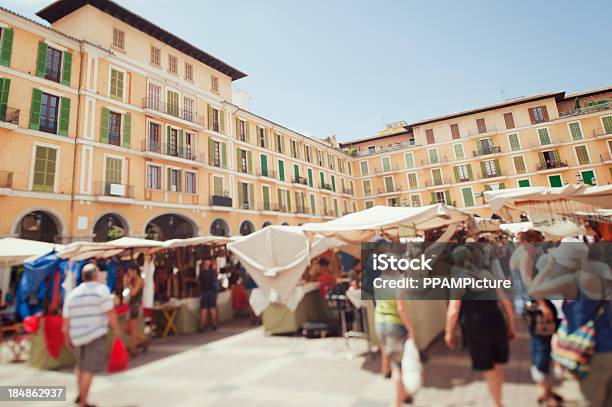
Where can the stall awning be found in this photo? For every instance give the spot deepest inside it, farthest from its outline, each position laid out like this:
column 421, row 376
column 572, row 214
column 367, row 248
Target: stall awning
column 363, row 226
column 16, row 251
column 85, row 250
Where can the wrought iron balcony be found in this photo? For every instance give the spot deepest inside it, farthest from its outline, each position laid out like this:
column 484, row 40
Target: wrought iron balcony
column 438, row 160
column 551, row 164
column 221, row 200
column 487, row 151
column 173, row 110
column 390, row 190
column 9, row 114
column 323, row 185
column 382, row 170
column 301, row 210
column 347, row 191
column 300, row 180
column 172, row 150
column 104, row 188
column 438, row 182
column 491, row 175
column 268, row 173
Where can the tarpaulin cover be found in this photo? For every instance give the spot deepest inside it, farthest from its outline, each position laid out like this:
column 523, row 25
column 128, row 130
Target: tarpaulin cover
column 31, row 291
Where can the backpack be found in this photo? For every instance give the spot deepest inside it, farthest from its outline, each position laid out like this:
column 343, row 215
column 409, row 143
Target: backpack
column 574, row 350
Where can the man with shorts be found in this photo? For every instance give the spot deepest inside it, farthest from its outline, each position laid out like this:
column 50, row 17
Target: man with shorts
column 88, row 310
column 208, row 294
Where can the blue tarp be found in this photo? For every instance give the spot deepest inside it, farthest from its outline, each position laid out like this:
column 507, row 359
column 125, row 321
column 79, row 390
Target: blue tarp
column 34, row 283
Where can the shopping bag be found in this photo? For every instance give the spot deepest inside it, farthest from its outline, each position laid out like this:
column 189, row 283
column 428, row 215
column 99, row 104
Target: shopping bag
column 412, row 369
column 31, row 324
column 54, row 337
column 119, row 357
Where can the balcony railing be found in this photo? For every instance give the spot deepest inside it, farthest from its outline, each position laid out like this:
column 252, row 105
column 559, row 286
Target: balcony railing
column 439, row 160
column 9, row 114
column 111, row 189
column 323, row 185
column 246, row 205
column 173, row 110
column 328, row 212
column 605, row 157
column 598, row 107
column 188, row 153
column 390, row 190
column 300, row 180
column 221, row 200
column 6, row 179
column 268, row 173
column 438, row 182
column 395, row 167
column 348, row 191
column 492, row 175
column 551, row 164
column 486, row 151
column 451, row 203
column 301, row 210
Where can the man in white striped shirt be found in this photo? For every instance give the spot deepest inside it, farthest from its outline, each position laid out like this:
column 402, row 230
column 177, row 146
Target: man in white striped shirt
column 88, row 310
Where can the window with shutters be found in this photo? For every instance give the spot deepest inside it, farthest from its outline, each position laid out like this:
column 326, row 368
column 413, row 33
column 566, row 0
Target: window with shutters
column 349, row 167
column 243, row 161
column 389, row 187
column 439, row 197
column 412, row 180
column 261, row 137
column 538, row 114
column 436, row 176
column 308, row 154
column 172, row 103
column 433, row 156
column 294, row 149
column 313, row 205
column 173, row 142
column 336, row 212
column 243, row 195
column 190, row 182
column 53, row 64
column 367, row 187
column 513, row 140
column 455, row 131
column 463, row 173
column 216, row 147
column 490, row 168
column 214, row 84
column 117, row 84
column 188, row 71
column 409, row 159
column 218, row 186
column 265, row 194
column 279, row 143
column 607, row 124
column 481, row 125
column 113, row 174
column 468, row 197
column 340, row 166
column 216, row 120
column 153, row 96
column 386, row 164
column 281, row 170
column 575, row 130
column 172, row 64
column 49, row 110
column 45, row 164
column 429, row 135
column 188, row 108
column 544, row 136
column 154, row 177
column 365, row 170
column 509, row 120
column 458, row 149
column 114, row 128
column 118, row 39
column 174, row 180
column 330, row 161
column 189, row 146
column 155, row 56
column 519, row 164
column 242, row 130
column 154, row 141
column 369, row 204
column 415, row 200
column 582, row 154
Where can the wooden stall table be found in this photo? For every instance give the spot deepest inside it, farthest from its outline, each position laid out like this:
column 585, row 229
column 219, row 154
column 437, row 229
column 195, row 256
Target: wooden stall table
column 306, row 304
column 168, row 315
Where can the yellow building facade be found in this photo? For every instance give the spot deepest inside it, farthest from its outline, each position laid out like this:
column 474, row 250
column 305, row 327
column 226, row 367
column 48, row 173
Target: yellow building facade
column 110, row 125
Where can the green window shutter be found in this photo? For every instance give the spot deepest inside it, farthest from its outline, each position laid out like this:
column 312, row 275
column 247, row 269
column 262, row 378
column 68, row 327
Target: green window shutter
column 240, row 195
column 7, row 46
column 168, row 178
column 211, row 151
column 64, row 117
column 251, row 196
column 127, row 130
column 168, row 139
column 447, row 197
column 42, row 59
column 279, row 197
column 181, row 140
column 35, row 110
column 470, row 174
column 514, row 142
column 456, row 170
column 542, row 159
column 607, row 123
column 468, row 197
column 264, row 165
column 524, row 183
column 237, row 128
column 409, row 158
column 556, row 155
column 322, row 179
column 296, row 171
column 497, row 168
column 502, row 185
column 238, row 160
column 223, row 155
column 544, row 136
column 281, row 170
column 5, row 85
column 482, row 168
column 221, row 121
column 67, row 68
column 288, row 201
column 250, row 162
column 555, row 181
column 266, row 198
column 333, row 182
column 104, row 126
column 310, row 178
column 433, row 198
column 575, row 131
column 459, row 151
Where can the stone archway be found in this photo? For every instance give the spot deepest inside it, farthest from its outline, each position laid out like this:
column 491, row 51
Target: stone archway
column 266, row 224
column 39, row 225
column 108, row 227
column 219, row 227
column 170, row 226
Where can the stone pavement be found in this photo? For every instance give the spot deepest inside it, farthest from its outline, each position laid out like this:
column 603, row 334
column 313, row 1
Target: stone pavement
column 252, row 369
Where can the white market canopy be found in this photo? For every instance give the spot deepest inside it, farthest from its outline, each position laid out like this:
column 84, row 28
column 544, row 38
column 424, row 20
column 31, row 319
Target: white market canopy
column 15, row 251
column 570, row 197
column 363, row 226
column 85, row 250
column 195, row 241
column 277, row 256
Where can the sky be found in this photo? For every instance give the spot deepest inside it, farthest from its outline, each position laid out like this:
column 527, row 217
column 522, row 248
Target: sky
column 348, row 67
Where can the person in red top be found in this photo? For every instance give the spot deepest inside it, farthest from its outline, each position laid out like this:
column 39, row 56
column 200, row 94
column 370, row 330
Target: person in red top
column 326, row 277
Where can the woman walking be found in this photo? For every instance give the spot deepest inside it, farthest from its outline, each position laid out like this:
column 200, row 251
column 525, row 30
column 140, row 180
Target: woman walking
column 134, row 284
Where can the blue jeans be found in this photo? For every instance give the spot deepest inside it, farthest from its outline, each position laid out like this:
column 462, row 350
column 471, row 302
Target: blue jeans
column 540, row 356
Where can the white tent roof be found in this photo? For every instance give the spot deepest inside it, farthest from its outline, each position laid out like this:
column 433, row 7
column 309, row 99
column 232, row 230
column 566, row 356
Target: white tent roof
column 363, row 226
column 504, row 200
column 16, row 251
column 194, row 241
column 277, row 256
column 84, row 250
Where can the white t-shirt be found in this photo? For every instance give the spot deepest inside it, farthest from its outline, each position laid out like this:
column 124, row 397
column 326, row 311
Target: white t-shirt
column 86, row 307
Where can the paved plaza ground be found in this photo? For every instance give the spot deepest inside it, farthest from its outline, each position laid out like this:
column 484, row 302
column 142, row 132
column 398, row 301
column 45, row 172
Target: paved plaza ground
column 240, row 366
